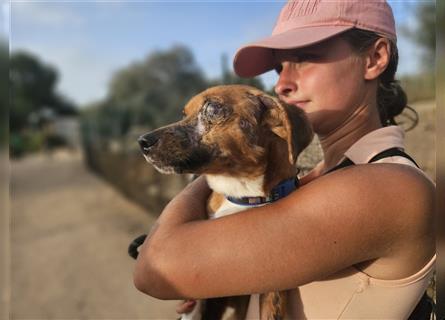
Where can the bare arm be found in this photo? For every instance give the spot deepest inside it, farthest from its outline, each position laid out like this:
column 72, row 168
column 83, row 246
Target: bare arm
column 334, row 222
column 187, row 206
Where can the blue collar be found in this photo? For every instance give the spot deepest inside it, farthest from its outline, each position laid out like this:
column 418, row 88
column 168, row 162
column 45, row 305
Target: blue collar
column 283, row 189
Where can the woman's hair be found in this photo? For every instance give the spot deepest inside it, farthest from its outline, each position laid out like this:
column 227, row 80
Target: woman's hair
column 391, row 98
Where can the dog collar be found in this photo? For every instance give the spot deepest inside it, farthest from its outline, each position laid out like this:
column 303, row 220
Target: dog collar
column 283, row 189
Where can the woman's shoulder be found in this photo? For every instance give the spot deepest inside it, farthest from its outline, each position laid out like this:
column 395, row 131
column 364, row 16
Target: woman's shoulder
column 410, row 188
column 404, row 191
column 397, row 200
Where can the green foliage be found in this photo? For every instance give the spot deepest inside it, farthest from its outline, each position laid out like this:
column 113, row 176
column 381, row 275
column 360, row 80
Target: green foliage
column 152, row 92
column 4, row 95
column 33, row 89
column 229, row 77
column 425, row 33
column 441, row 42
column 143, row 96
column 422, row 86
column 25, row 142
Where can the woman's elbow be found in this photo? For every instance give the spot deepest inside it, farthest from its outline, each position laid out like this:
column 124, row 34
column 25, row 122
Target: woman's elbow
column 141, row 278
column 149, row 277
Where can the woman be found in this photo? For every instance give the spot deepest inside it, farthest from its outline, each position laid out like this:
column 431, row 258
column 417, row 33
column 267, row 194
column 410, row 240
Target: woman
column 351, row 243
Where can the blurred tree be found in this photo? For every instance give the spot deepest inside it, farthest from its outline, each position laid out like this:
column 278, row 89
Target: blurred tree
column 150, row 94
column 229, row 77
column 153, row 92
column 4, row 96
column 440, row 29
column 425, row 33
column 33, row 89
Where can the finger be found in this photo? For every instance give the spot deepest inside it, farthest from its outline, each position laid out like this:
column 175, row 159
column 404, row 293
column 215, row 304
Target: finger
column 186, row 306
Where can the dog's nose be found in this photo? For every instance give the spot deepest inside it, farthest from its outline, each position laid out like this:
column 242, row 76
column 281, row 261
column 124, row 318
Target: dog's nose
column 146, row 142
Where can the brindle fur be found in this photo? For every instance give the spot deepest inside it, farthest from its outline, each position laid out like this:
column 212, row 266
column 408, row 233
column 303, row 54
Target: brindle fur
column 236, row 131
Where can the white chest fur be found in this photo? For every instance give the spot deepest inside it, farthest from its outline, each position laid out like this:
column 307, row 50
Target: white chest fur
column 236, row 187
column 230, row 187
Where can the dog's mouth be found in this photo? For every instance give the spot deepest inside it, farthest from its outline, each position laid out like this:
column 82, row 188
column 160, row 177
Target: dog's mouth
column 175, row 149
column 194, row 163
column 161, row 168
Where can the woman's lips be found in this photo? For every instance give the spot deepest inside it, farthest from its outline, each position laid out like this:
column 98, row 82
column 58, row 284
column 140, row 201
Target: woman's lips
column 300, row 104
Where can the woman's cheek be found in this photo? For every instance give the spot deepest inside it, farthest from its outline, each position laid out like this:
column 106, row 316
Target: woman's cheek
column 331, row 104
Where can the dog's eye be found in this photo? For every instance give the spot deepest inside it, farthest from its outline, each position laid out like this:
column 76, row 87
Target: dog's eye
column 213, row 110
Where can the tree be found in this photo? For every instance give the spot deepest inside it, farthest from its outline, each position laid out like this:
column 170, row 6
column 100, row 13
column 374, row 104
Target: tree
column 33, row 89
column 425, row 33
column 153, row 92
column 4, row 96
column 228, row 77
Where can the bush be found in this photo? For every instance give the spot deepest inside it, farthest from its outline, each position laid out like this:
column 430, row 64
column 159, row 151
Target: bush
column 25, row 142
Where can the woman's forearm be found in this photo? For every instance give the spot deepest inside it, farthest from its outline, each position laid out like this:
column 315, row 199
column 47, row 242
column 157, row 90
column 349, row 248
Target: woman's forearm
column 187, row 206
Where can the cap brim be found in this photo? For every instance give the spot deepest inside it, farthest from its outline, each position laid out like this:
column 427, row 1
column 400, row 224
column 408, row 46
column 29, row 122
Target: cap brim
column 256, row 58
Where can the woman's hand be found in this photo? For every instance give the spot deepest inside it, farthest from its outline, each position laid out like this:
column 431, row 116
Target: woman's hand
column 185, row 306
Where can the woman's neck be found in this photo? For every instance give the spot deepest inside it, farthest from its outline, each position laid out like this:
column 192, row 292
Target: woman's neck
column 334, row 144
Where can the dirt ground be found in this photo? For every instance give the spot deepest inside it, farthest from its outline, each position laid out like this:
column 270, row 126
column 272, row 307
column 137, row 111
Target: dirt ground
column 70, row 232
column 421, row 141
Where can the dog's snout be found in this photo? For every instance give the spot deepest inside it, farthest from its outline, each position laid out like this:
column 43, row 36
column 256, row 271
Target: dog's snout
column 146, row 142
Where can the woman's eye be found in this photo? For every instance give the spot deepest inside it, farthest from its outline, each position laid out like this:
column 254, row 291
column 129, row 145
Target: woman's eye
column 278, row 69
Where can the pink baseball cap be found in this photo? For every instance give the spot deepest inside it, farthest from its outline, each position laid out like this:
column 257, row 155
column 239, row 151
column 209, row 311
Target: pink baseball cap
column 306, row 22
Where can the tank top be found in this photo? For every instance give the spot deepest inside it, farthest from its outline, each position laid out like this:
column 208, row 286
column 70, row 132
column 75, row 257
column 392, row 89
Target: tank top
column 351, row 293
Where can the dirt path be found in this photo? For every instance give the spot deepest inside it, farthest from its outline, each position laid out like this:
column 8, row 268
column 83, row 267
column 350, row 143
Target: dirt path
column 70, row 232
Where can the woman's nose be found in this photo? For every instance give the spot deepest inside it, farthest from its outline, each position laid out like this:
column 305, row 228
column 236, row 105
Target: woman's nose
column 286, row 84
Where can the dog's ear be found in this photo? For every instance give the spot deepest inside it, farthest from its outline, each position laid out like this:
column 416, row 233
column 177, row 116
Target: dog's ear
column 289, row 123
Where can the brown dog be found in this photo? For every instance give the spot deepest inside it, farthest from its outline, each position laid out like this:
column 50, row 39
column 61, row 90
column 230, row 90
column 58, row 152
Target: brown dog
column 246, row 143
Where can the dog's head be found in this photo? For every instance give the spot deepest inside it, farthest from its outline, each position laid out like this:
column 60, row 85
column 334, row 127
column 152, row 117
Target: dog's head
column 229, row 130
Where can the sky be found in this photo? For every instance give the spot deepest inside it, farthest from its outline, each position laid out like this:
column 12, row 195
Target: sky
column 88, row 41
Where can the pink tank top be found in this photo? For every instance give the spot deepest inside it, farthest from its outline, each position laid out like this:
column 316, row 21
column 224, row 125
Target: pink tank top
column 350, row 293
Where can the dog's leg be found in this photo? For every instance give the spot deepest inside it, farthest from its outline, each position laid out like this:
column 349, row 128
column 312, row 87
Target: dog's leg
column 272, row 305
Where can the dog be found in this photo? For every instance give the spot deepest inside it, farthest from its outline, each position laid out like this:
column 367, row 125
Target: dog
column 246, row 143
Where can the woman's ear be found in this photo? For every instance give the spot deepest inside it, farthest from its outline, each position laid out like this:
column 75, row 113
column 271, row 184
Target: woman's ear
column 377, row 59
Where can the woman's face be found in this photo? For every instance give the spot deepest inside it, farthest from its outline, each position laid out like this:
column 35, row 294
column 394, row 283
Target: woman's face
column 326, row 80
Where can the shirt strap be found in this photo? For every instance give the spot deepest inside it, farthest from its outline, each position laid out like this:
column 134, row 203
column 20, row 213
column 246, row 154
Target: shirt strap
column 392, row 152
